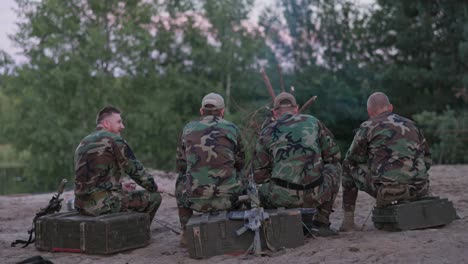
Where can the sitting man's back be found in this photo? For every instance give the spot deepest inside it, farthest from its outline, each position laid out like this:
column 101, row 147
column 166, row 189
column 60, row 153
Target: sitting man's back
column 210, row 159
column 388, row 158
column 101, row 159
column 297, row 163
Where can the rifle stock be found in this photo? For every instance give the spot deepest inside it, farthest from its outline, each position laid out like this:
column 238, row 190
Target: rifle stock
column 255, row 216
column 55, row 204
column 61, row 187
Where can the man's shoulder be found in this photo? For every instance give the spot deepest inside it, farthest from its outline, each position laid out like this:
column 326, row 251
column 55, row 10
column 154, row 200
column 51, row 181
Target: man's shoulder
column 209, row 122
column 402, row 119
column 225, row 122
column 289, row 122
column 299, row 120
column 104, row 136
column 309, row 117
column 393, row 121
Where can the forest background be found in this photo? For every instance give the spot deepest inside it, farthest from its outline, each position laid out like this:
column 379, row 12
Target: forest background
column 156, row 59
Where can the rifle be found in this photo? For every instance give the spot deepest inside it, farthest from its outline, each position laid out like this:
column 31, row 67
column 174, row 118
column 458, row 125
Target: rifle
column 55, row 204
column 167, row 225
column 254, row 218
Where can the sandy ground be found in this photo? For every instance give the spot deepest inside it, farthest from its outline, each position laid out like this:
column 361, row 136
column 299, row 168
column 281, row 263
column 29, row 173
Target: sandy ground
column 448, row 244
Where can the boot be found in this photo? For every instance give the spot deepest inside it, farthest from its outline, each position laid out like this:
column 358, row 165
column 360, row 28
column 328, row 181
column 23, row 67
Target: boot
column 184, row 216
column 322, row 230
column 183, row 240
column 348, row 222
column 349, row 204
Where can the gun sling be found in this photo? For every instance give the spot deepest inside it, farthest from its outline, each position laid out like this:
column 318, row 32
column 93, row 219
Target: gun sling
column 298, row 187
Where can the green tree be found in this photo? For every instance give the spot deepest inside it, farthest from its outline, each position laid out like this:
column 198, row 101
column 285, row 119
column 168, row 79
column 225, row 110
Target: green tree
column 325, row 48
column 419, row 51
column 152, row 59
column 75, row 50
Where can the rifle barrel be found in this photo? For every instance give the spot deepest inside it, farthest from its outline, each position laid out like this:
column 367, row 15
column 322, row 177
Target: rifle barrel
column 309, row 102
column 61, row 186
column 268, row 84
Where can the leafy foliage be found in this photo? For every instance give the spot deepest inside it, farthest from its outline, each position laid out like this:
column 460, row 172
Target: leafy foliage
column 156, row 59
column 136, row 55
column 447, row 134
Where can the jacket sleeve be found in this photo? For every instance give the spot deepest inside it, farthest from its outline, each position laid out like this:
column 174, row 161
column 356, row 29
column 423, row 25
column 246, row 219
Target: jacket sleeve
column 427, row 151
column 262, row 161
column 331, row 154
column 239, row 158
column 133, row 168
column 330, row 150
column 181, row 160
column 357, row 152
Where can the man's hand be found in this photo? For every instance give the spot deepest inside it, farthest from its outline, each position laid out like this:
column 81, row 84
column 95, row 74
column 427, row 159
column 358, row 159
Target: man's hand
column 128, row 186
column 162, row 189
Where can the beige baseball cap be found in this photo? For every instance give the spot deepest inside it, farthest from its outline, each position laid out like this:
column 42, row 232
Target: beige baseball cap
column 212, row 101
column 284, row 100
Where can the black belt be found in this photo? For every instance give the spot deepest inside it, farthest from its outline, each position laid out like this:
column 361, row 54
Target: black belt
column 297, row 187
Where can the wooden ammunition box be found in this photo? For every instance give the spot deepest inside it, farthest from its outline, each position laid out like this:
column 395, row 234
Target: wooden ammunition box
column 215, row 234
column 72, row 232
column 424, row 213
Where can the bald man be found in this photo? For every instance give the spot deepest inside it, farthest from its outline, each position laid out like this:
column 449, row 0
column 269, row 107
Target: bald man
column 388, row 159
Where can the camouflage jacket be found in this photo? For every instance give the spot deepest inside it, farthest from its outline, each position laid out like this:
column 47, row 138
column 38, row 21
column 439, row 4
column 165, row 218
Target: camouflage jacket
column 211, row 157
column 101, row 159
column 392, row 147
column 295, row 148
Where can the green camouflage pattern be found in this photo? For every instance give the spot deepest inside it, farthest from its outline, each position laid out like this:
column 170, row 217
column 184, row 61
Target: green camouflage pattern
column 321, row 197
column 298, row 149
column 101, row 159
column 210, row 161
column 386, row 148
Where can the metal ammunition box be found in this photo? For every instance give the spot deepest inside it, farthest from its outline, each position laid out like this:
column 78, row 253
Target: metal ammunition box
column 424, row 213
column 72, row 232
column 215, row 234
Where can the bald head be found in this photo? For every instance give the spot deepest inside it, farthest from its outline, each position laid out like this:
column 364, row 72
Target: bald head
column 378, row 103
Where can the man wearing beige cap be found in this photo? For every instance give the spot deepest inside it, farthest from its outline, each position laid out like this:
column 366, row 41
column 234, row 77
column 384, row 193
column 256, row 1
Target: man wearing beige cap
column 210, row 159
column 297, row 163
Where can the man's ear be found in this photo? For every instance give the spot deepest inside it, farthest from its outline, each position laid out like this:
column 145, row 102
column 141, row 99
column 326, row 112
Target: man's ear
column 370, row 113
column 275, row 113
column 390, row 108
column 296, row 110
column 201, row 111
column 222, row 112
column 105, row 123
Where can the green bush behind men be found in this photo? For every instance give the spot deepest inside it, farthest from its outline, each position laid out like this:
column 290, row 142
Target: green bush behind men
column 101, row 159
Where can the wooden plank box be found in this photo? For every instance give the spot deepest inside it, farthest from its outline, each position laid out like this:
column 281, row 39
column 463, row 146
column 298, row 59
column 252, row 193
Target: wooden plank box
column 72, row 232
column 424, row 213
column 215, row 234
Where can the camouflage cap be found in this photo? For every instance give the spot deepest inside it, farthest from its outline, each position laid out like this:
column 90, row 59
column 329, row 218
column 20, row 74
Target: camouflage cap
column 284, row 100
column 212, row 101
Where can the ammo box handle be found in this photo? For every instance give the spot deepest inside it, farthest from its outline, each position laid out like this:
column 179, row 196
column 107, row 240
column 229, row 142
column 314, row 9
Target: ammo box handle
column 82, row 236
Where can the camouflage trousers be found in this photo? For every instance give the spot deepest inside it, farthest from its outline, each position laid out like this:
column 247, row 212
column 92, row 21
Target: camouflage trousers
column 188, row 202
column 108, row 202
column 321, row 197
column 385, row 191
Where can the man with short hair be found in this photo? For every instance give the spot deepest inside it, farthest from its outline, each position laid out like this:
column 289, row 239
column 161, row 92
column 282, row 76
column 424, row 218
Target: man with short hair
column 101, row 159
column 297, row 161
column 388, row 159
column 210, row 161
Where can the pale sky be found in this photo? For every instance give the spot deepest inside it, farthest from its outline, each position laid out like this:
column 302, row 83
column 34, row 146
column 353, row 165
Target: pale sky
column 7, row 25
column 8, row 20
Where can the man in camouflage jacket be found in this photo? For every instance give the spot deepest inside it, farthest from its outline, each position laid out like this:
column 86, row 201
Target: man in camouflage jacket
column 101, row 159
column 210, row 161
column 388, row 158
column 297, row 161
